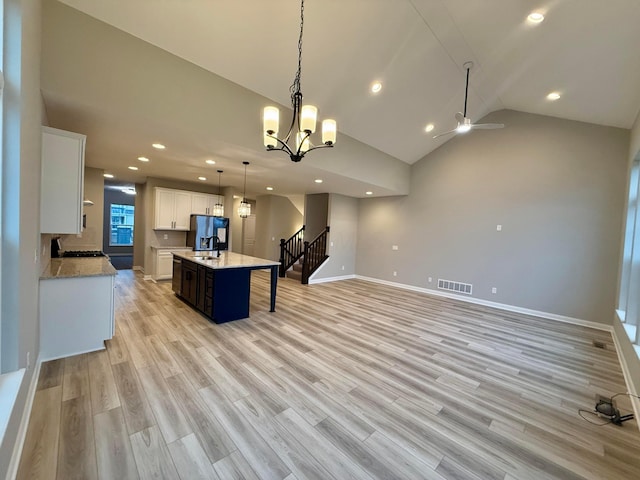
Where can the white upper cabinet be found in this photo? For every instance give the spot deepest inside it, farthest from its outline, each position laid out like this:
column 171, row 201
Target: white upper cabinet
column 203, row 203
column 62, row 181
column 172, row 209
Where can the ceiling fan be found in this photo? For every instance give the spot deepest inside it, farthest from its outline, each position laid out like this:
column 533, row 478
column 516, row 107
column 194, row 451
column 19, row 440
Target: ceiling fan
column 464, row 123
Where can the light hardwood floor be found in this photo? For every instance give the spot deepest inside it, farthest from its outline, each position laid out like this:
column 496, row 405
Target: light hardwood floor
column 345, row 380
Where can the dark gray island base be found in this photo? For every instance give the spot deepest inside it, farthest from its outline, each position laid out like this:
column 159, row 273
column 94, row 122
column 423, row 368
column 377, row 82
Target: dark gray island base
column 219, row 287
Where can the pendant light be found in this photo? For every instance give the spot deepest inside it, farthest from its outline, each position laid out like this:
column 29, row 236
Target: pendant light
column 218, row 208
column 245, row 207
column 304, row 118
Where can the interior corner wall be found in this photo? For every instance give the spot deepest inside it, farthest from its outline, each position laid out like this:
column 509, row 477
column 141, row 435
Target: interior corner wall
column 279, row 218
column 316, row 215
column 556, row 187
column 343, row 223
column 140, row 217
column 21, row 151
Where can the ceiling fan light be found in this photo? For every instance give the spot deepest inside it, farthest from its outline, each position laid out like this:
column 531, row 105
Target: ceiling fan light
column 308, row 116
column 463, row 128
column 329, row 131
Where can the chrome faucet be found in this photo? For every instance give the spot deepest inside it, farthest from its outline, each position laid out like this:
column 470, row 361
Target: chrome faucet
column 216, row 243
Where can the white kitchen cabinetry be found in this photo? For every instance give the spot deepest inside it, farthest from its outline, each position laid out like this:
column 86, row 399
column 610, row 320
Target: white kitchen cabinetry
column 164, row 263
column 62, row 181
column 76, row 315
column 172, row 209
column 203, row 203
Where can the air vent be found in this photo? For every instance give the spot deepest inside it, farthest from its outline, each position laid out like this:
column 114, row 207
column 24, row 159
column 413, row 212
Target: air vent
column 598, row 344
column 456, row 287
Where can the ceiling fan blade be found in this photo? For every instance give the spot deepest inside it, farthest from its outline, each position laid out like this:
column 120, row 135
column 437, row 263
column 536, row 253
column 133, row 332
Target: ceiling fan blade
column 460, row 117
column 487, row 126
column 445, row 133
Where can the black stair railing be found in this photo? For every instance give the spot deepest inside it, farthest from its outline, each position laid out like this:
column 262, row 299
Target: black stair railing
column 315, row 253
column 291, row 250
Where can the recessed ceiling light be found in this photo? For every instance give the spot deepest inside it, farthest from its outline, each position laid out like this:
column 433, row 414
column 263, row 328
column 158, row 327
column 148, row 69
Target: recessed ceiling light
column 429, row 128
column 107, row 175
column 133, row 168
column 269, row 188
column 368, row 193
column 210, row 162
column 143, row 159
column 202, row 178
column 318, row 180
column 159, row 146
column 553, row 96
column 535, row 17
column 376, row 87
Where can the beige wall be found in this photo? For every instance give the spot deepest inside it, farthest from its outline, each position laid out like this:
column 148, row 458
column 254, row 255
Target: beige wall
column 556, row 187
column 91, row 236
column 277, row 217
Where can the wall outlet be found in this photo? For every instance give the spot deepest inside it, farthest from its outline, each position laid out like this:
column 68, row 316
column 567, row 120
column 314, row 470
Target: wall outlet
column 430, row 279
column 331, row 243
column 166, row 236
column 273, row 239
column 499, row 228
column 395, row 274
column 494, row 290
column 35, row 255
column 394, row 247
column 343, row 267
column 28, row 359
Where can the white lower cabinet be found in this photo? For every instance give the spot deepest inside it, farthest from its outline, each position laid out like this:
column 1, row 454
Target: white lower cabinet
column 76, row 315
column 164, row 263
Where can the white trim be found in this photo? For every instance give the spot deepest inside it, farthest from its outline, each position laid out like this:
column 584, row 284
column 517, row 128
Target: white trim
column 138, row 267
column 14, row 462
column 500, row 306
column 81, row 352
column 146, row 278
column 331, row 279
column 635, row 402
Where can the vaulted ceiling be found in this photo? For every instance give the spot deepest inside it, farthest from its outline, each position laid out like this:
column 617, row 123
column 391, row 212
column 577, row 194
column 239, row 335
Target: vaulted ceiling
column 128, row 73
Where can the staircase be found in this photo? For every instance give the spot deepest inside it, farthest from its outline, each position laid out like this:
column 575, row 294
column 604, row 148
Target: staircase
column 295, row 272
column 299, row 263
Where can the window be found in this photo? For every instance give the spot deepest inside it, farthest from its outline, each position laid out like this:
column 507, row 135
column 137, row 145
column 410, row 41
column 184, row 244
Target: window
column 629, row 299
column 121, row 225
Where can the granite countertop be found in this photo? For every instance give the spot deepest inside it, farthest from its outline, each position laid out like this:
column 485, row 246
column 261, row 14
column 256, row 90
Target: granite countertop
column 225, row 260
column 158, row 247
column 78, row 267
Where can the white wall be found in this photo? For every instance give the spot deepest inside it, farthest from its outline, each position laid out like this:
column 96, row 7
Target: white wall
column 22, row 119
column 556, row 187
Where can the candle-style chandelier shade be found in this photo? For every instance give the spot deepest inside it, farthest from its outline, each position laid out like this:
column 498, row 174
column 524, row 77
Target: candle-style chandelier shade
column 218, row 208
column 303, row 123
column 244, row 210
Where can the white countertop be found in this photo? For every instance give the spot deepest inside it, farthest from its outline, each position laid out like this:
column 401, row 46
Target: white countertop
column 226, row 259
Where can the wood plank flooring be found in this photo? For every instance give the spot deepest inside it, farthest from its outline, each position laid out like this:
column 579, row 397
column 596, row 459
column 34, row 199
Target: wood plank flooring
column 346, row 380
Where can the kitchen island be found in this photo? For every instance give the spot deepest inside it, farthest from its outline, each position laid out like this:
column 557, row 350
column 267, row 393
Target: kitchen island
column 219, row 287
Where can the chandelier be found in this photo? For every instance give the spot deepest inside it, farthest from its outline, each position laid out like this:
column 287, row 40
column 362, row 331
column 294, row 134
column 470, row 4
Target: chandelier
column 303, row 122
column 218, row 208
column 244, row 210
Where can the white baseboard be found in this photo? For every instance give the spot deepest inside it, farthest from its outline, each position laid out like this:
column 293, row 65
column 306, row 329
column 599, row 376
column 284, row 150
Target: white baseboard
column 635, row 402
column 14, row 463
column 139, row 268
column 330, row 279
column 147, row 278
column 500, row 306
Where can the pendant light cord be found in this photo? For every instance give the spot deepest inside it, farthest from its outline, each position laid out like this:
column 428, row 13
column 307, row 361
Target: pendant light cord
column 295, row 87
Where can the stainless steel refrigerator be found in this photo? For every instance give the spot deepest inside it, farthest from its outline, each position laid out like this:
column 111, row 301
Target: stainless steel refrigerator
column 207, row 232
